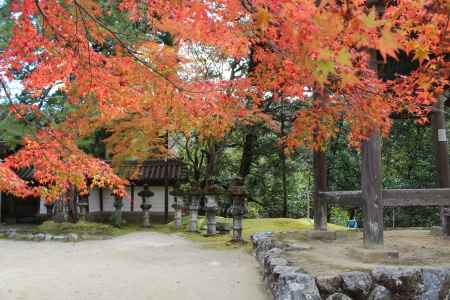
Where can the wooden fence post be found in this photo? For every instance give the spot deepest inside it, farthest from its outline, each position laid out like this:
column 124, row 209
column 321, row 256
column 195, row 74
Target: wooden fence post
column 320, row 185
column 441, row 151
column 371, row 185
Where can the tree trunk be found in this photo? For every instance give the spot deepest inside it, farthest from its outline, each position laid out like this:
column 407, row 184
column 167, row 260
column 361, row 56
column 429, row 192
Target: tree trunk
column 284, row 182
column 320, row 185
column 211, row 166
column 247, row 154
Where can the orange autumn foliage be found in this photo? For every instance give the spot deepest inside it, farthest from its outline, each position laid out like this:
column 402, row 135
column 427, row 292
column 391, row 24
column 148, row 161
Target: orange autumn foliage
column 141, row 94
column 59, row 166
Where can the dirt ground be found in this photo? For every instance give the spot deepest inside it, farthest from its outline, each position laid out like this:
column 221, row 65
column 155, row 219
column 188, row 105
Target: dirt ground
column 140, row 266
column 415, row 247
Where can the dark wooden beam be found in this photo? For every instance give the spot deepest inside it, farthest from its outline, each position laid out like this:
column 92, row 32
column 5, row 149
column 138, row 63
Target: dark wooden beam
column 441, row 151
column 392, row 198
column 441, row 144
column 346, row 199
column 320, row 185
column 132, row 197
column 416, row 197
column 371, row 194
column 1, row 203
column 166, row 192
column 100, row 196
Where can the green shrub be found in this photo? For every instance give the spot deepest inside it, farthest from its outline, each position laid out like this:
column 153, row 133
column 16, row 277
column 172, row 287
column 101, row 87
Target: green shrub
column 339, row 216
column 254, row 210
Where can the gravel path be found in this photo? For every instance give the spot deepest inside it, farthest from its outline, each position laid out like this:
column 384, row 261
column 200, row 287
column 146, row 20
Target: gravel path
column 138, row 266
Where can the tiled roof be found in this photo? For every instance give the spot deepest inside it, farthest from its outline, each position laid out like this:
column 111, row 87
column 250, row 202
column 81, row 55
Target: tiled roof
column 150, row 172
column 26, row 173
column 153, row 172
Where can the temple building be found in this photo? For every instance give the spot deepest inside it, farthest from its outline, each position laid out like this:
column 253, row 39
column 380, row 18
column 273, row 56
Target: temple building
column 159, row 175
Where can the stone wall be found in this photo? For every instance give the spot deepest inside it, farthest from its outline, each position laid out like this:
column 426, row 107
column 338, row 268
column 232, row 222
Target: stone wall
column 289, row 282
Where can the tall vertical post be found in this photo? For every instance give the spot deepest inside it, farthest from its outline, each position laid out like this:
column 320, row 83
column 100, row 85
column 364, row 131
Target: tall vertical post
column 371, row 181
column 166, row 191
column 100, row 196
column 371, row 185
column 320, row 185
column 132, row 197
column 441, row 152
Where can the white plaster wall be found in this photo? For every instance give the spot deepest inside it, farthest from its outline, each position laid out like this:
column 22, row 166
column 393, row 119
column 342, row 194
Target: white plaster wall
column 108, row 200
column 94, row 201
column 42, row 208
column 157, row 200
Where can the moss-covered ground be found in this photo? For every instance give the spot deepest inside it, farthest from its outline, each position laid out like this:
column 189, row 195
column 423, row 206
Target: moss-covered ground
column 221, row 241
column 80, row 228
column 251, row 226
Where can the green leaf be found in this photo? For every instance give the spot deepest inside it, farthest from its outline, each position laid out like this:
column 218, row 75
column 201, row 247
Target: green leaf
column 370, row 20
column 324, row 69
column 344, row 58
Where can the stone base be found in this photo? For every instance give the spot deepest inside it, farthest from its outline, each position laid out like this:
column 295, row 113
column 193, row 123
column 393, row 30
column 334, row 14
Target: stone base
column 321, row 235
column 374, row 255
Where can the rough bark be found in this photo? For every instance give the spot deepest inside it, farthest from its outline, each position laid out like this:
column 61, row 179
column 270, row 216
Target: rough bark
column 250, row 140
column 372, row 196
column 320, row 185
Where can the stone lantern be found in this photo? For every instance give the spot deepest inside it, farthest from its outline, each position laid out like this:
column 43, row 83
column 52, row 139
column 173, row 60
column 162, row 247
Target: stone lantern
column 144, row 194
column 117, row 213
column 195, row 196
column 211, row 193
column 83, row 204
column 177, row 206
column 237, row 193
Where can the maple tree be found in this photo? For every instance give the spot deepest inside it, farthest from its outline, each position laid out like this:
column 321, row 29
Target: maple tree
column 139, row 86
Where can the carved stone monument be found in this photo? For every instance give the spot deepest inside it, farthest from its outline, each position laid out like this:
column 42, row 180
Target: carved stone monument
column 177, row 206
column 212, row 191
column 117, row 213
column 195, row 196
column 237, row 193
column 144, row 194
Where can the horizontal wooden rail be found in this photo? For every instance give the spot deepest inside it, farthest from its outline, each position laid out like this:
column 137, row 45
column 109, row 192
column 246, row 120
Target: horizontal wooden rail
column 392, row 197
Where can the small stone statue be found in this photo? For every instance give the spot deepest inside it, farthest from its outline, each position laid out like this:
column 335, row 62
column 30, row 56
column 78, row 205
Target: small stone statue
column 212, row 191
column 177, row 206
column 117, row 213
column 178, row 216
column 211, row 211
column 146, row 206
column 83, row 204
column 238, row 193
column 193, row 208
